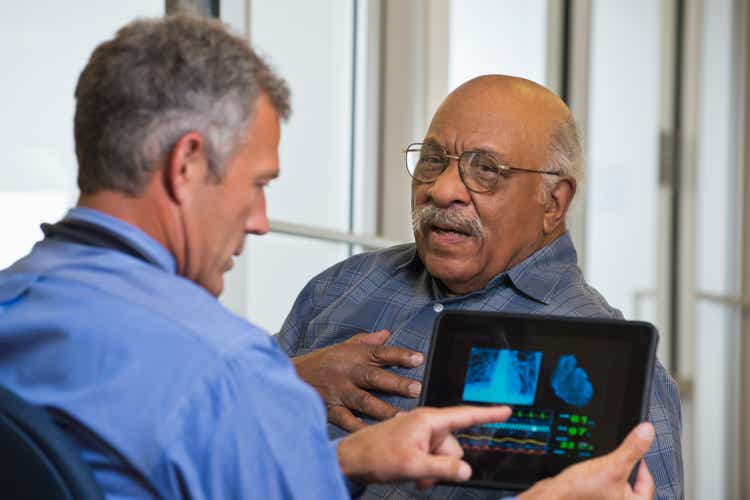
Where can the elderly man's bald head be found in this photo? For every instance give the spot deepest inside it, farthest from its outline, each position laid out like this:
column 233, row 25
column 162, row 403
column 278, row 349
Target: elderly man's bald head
column 539, row 120
column 517, row 142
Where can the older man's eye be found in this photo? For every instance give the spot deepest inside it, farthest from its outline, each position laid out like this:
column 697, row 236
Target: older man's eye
column 488, row 168
column 485, row 167
column 432, row 158
column 430, row 167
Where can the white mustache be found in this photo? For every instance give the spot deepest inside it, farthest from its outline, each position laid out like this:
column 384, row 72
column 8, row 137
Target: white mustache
column 429, row 215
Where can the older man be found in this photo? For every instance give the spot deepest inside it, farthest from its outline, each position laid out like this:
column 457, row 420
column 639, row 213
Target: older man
column 491, row 184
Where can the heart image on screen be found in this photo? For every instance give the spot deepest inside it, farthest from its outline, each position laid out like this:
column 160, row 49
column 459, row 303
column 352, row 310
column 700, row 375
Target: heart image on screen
column 571, row 382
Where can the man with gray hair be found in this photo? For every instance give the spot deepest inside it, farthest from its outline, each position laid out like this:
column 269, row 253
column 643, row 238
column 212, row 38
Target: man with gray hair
column 111, row 322
column 491, row 184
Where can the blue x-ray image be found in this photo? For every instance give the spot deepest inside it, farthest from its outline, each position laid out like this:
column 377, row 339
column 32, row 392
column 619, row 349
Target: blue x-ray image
column 502, row 376
column 571, row 382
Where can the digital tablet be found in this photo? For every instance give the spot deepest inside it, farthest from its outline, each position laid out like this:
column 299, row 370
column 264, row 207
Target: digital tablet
column 576, row 386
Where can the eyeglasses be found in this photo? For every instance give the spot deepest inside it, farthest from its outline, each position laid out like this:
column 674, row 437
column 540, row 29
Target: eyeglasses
column 480, row 171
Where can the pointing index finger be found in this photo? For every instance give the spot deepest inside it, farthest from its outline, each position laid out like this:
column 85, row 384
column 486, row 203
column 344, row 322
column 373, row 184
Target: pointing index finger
column 461, row 417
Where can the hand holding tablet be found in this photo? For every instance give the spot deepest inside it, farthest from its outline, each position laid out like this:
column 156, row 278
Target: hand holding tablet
column 576, row 386
column 603, row 478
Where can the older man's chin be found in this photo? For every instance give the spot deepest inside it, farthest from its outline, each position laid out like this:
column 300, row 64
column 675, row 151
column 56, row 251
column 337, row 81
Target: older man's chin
column 454, row 270
column 446, row 252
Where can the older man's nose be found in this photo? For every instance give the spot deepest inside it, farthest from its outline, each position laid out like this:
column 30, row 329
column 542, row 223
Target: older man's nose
column 448, row 188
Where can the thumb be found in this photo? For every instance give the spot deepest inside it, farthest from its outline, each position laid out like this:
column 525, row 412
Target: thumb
column 644, row 484
column 374, row 338
column 636, row 445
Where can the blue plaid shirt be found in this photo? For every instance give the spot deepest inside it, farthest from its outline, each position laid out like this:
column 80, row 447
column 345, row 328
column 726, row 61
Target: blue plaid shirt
column 391, row 289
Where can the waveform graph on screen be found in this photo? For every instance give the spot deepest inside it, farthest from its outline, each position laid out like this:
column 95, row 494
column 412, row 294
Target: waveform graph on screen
column 527, row 431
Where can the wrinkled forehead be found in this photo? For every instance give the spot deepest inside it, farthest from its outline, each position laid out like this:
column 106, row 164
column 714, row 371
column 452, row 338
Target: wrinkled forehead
column 516, row 125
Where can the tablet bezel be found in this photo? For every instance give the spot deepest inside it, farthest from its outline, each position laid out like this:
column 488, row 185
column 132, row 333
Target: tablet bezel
column 498, row 317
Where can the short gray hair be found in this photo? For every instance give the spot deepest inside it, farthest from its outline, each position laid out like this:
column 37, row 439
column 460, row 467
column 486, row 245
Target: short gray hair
column 156, row 80
column 565, row 156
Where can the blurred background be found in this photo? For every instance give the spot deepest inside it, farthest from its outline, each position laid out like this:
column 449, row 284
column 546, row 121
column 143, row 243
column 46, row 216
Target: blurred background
column 659, row 88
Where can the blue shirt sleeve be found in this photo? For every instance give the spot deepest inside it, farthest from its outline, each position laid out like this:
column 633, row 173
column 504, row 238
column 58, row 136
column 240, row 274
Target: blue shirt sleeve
column 253, row 430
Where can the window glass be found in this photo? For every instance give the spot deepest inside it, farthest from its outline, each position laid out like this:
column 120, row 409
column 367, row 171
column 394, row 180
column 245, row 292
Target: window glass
column 315, row 144
column 623, row 153
column 315, row 152
column 44, row 45
column 485, row 37
column 281, row 265
column 717, row 234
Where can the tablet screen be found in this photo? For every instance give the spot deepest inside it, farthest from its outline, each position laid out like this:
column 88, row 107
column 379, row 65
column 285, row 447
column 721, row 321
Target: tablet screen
column 576, row 388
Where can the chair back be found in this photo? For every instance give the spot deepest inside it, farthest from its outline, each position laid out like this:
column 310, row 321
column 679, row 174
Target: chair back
column 36, row 459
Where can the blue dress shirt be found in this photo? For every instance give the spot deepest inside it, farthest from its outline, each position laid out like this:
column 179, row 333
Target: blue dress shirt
column 164, row 391
column 391, row 289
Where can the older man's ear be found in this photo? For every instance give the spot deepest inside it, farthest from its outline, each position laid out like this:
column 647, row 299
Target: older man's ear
column 557, row 203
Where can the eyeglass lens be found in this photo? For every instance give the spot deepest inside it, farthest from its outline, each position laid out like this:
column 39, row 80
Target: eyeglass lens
column 480, row 170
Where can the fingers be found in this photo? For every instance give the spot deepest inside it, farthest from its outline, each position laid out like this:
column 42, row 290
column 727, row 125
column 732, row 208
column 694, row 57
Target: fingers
column 374, row 378
column 430, row 468
column 374, row 338
column 635, row 445
column 423, row 484
column 384, row 355
column 644, row 483
column 344, row 418
column 366, row 403
column 449, row 446
column 461, row 417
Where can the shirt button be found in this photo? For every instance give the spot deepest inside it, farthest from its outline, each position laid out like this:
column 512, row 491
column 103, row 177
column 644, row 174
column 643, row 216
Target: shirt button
column 437, row 307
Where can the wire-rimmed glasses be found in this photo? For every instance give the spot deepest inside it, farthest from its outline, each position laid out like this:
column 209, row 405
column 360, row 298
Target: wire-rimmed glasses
column 480, row 171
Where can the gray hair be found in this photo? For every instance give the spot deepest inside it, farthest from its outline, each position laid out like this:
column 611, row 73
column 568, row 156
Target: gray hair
column 155, row 81
column 565, row 156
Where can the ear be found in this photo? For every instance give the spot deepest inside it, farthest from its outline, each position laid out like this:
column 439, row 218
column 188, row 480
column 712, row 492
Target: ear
column 558, row 203
column 186, row 167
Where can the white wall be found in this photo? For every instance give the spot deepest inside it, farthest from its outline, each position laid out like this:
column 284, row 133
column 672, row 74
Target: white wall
column 43, row 46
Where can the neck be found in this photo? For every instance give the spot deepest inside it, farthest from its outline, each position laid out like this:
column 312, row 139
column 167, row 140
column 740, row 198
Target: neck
column 528, row 251
column 552, row 236
column 153, row 215
column 523, row 254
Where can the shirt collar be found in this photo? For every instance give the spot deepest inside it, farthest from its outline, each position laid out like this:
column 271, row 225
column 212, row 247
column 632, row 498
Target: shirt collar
column 411, row 261
column 534, row 277
column 538, row 275
column 128, row 232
